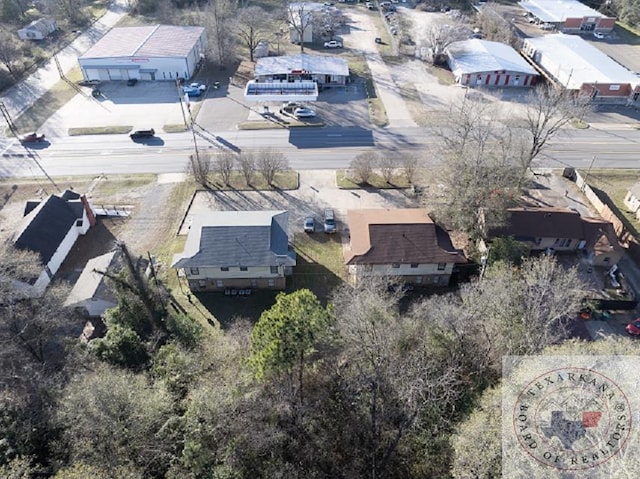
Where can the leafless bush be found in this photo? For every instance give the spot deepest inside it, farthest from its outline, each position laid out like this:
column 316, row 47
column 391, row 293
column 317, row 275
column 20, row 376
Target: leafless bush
column 362, row 167
column 271, row 162
column 224, row 164
column 247, row 164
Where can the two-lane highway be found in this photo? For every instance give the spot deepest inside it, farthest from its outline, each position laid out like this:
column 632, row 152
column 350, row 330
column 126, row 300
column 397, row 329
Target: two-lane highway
column 305, row 148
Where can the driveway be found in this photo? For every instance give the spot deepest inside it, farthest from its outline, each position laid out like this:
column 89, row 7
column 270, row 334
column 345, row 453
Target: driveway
column 362, row 37
column 317, row 191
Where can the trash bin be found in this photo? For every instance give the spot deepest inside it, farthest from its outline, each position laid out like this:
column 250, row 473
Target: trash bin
column 216, row 85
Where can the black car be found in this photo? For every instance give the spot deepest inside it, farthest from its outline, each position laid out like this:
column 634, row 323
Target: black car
column 132, row 81
column 142, row 134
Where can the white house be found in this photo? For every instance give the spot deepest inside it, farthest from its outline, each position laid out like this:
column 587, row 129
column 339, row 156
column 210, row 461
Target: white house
column 51, row 228
column 632, row 200
column 91, row 293
column 38, row 29
column 228, row 250
column 402, row 243
column 478, row 62
column 568, row 16
column 158, row 52
column 295, row 77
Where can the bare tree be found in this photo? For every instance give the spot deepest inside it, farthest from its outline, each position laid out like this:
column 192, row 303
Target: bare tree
column 217, row 18
column 252, row 25
column 269, row 163
column 548, row 110
column 224, row 166
column 300, row 18
column 331, row 21
column 437, row 37
column 480, row 169
column 409, row 166
column 387, row 164
column 10, row 52
column 247, row 164
column 362, row 167
column 199, row 167
column 495, row 27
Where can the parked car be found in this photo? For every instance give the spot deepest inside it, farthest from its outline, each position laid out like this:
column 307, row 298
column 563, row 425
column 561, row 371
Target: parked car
column 547, row 26
column 290, row 107
column 379, row 40
column 192, row 92
column 32, row 138
column 139, row 134
column 132, row 81
column 633, row 328
column 329, row 221
column 198, row 86
column 333, row 44
column 89, row 82
column 304, row 113
column 309, row 224
column 598, row 35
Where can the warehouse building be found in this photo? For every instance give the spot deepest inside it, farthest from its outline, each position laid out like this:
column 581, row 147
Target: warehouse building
column 295, row 77
column 576, row 65
column 155, row 52
column 568, row 16
column 489, row 64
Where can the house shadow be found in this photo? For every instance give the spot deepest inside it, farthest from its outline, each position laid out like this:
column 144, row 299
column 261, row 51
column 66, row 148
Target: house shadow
column 97, row 241
column 606, row 199
column 228, row 309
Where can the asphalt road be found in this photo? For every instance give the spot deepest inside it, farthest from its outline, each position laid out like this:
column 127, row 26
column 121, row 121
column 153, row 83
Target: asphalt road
column 305, row 148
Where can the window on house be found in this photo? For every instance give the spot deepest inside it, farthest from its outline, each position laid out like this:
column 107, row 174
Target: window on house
column 274, row 270
column 418, row 279
column 244, row 268
column 395, row 265
column 606, row 260
column 562, row 242
column 79, row 223
column 202, row 283
column 271, row 283
column 368, row 268
column 219, row 283
column 442, row 266
column 254, row 283
column 224, row 268
column 414, row 265
column 194, row 271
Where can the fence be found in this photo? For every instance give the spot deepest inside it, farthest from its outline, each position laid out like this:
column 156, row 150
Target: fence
column 625, row 236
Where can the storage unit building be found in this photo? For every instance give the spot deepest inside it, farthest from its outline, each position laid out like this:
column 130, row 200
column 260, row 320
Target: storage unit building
column 577, row 65
column 157, row 52
column 569, row 16
column 489, row 64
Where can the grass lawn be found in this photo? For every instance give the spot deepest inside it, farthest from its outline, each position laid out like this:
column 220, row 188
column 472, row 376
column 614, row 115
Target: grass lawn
column 376, row 181
column 320, row 265
column 285, row 180
column 110, row 188
column 100, row 130
column 615, row 184
column 377, row 114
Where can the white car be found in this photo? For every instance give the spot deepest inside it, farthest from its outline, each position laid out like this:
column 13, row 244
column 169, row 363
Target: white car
column 198, row 86
column 333, row 44
column 304, row 113
column 598, row 35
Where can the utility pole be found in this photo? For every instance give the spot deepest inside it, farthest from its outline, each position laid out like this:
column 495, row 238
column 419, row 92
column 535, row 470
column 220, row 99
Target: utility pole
column 189, row 124
column 586, row 177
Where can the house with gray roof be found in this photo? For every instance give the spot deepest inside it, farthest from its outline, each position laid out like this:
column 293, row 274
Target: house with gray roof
column 568, row 16
column 230, row 250
column 38, row 29
column 150, row 52
column 50, row 228
column 92, row 294
column 488, row 64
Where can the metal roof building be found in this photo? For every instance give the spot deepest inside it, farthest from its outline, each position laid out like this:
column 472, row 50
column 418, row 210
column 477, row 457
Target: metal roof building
column 570, row 16
column 577, row 65
column 153, row 52
column 483, row 63
column 295, row 77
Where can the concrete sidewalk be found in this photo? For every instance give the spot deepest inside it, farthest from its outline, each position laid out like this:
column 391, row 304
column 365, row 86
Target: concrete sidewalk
column 25, row 93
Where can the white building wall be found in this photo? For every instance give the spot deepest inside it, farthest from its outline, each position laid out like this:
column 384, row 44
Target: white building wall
column 123, row 68
column 403, row 270
column 234, row 273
